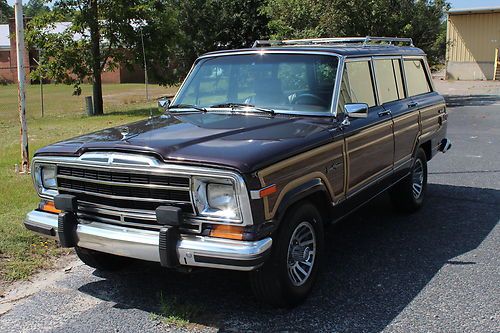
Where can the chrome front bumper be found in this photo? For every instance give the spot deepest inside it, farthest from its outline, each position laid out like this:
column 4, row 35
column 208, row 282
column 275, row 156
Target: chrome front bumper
column 192, row 250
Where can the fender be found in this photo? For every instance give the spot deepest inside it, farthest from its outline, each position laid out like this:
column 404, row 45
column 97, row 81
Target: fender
column 300, row 192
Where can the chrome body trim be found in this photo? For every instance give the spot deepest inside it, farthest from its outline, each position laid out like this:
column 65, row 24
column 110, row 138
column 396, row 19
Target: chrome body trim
column 334, row 40
column 118, row 197
column 151, row 165
column 91, row 211
column 143, row 244
column 338, row 83
column 255, row 194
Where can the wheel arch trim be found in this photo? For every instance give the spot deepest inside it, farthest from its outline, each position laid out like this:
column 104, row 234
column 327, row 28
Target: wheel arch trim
column 298, row 193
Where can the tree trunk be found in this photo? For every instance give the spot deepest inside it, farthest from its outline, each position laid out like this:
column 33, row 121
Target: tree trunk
column 96, row 58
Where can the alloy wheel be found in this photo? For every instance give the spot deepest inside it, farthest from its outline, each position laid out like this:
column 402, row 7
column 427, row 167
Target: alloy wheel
column 301, row 253
column 418, row 179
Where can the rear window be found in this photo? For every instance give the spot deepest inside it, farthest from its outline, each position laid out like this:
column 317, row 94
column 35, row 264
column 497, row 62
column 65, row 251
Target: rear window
column 416, row 78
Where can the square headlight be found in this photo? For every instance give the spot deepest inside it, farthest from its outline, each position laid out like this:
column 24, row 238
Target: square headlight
column 45, row 179
column 49, row 177
column 216, row 198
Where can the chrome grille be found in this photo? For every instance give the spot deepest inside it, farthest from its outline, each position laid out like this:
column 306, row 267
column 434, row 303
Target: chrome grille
column 89, row 212
column 124, row 192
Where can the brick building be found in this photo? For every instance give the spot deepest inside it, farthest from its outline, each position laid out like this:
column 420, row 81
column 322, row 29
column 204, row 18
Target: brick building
column 8, row 59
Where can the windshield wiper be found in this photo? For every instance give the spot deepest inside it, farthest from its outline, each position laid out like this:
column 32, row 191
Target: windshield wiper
column 187, row 106
column 234, row 106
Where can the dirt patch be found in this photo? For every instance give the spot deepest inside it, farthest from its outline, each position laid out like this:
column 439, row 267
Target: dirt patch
column 11, row 293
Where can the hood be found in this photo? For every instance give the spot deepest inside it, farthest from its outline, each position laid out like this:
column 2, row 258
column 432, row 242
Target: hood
column 243, row 142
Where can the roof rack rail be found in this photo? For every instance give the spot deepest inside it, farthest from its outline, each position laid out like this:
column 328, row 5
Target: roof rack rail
column 334, row 40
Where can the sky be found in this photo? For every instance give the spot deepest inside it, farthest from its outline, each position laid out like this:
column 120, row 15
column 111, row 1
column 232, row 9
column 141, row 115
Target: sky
column 474, row 3
column 454, row 3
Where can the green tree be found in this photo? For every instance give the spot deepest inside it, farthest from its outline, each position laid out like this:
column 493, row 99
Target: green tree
column 36, row 7
column 419, row 19
column 296, row 18
column 6, row 12
column 175, row 33
column 199, row 26
column 97, row 38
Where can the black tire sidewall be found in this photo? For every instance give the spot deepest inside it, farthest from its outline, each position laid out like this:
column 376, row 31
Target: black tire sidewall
column 300, row 213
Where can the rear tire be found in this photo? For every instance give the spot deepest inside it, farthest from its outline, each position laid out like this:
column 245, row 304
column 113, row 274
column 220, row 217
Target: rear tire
column 288, row 276
column 409, row 194
column 100, row 260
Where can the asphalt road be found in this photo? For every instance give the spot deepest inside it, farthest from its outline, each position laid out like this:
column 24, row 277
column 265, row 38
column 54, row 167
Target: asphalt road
column 435, row 271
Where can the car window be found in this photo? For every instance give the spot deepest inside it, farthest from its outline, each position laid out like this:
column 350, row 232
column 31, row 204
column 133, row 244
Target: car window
column 356, row 86
column 386, row 81
column 416, row 78
column 213, row 85
column 281, row 82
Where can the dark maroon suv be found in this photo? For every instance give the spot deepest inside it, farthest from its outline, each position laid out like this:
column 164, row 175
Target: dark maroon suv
column 259, row 149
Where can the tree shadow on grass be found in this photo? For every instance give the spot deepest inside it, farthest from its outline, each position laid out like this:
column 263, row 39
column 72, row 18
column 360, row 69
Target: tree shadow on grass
column 375, row 264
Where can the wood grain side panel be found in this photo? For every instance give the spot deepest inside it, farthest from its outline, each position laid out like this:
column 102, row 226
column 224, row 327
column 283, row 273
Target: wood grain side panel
column 326, row 163
column 369, row 153
column 406, row 131
column 429, row 118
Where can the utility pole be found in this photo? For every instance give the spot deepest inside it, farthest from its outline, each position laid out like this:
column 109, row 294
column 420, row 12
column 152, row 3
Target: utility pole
column 21, row 81
column 146, row 83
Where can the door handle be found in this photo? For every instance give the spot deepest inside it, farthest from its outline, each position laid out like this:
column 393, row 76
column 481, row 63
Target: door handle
column 384, row 113
column 412, row 104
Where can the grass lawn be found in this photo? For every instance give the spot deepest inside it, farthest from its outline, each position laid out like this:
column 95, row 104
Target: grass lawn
column 22, row 252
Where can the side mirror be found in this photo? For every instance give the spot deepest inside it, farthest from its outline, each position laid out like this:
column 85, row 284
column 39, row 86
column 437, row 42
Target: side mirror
column 356, row 110
column 163, row 103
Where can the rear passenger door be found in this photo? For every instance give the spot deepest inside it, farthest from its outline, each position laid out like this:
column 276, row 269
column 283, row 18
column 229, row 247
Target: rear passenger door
column 369, row 141
column 393, row 97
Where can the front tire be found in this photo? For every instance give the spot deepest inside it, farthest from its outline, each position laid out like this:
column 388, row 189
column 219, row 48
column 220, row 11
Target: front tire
column 409, row 194
column 288, row 276
column 100, row 260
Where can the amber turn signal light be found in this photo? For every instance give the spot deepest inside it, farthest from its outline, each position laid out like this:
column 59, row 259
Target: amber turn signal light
column 227, row 231
column 267, row 191
column 48, row 206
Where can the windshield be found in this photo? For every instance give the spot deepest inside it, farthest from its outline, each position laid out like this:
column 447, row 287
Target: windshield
column 280, row 82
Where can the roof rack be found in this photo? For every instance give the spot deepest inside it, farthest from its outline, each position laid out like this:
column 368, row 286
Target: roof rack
column 335, row 40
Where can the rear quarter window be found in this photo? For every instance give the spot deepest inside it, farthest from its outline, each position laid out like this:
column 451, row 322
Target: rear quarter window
column 416, row 77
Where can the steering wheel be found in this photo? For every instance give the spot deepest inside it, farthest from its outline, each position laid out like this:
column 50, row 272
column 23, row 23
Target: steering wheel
column 319, row 100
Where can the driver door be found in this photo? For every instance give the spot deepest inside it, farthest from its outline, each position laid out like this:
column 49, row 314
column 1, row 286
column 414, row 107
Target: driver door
column 369, row 140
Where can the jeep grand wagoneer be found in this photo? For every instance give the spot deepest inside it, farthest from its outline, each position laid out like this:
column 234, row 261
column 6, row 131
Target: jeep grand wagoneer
column 257, row 151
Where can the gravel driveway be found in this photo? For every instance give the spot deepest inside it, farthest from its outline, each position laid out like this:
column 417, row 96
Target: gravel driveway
column 434, row 271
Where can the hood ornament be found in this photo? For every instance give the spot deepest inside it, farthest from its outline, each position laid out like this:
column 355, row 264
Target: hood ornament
column 124, row 131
